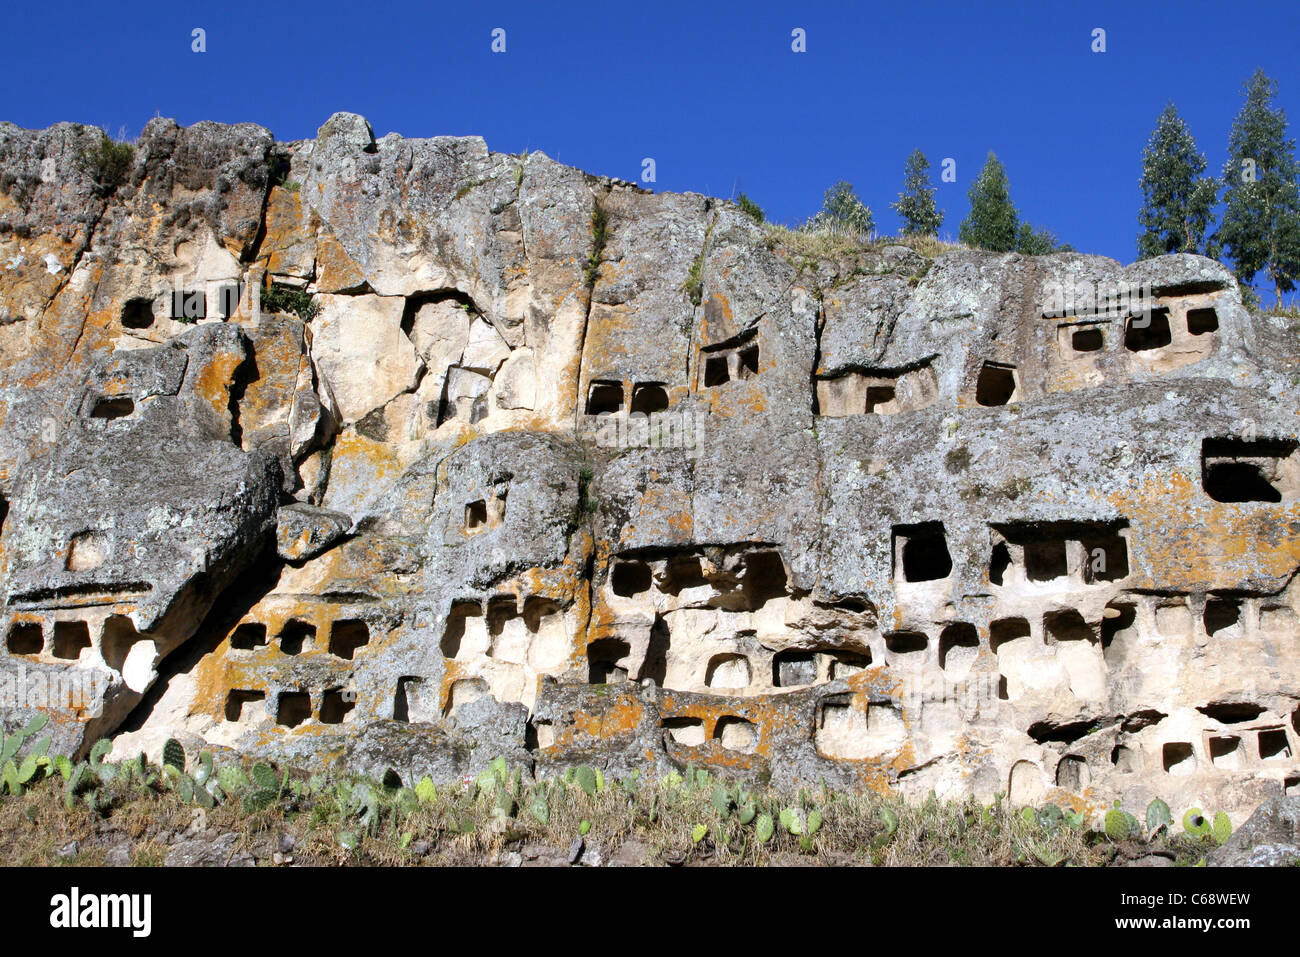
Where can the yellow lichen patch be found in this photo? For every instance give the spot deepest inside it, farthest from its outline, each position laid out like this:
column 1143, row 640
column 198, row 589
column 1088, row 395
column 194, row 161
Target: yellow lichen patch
column 215, row 378
column 1189, row 542
column 665, row 514
column 622, row 718
column 213, row 681
column 719, row 323
column 711, row 754
column 736, row 401
column 364, row 463
column 335, row 269
column 559, row 584
column 613, row 333
column 280, row 356
column 1068, row 800
column 284, row 228
column 878, row 680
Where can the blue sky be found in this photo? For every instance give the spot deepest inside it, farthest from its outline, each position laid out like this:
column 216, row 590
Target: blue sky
column 711, row 91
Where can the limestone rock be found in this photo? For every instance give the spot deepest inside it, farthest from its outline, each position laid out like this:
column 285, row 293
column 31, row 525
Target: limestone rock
column 304, row 531
column 697, row 493
column 362, row 352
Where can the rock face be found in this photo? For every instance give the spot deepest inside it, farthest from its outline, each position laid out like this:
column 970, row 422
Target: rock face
column 1269, row 838
column 561, row 470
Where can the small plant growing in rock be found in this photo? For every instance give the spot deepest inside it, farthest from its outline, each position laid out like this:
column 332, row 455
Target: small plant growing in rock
column 750, row 208
column 599, row 226
column 285, row 299
column 693, row 285
column 108, row 162
column 586, row 502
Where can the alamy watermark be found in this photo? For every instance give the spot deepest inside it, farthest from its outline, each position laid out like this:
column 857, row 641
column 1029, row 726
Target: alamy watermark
column 222, row 299
column 1088, row 298
column 971, row 695
column 190, row 305
column 74, row 910
column 74, row 689
column 666, row 429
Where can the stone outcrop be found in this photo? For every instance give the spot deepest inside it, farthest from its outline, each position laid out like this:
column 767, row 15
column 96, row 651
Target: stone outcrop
column 558, row 469
column 1269, row 838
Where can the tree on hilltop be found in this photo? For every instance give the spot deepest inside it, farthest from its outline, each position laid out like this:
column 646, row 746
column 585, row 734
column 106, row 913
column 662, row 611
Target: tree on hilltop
column 1177, row 201
column 843, row 212
column 915, row 203
column 993, row 222
column 1260, row 229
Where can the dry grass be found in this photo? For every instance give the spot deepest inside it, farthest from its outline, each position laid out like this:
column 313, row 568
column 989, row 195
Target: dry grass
column 830, row 243
column 1285, row 312
column 931, row 247
column 672, row 822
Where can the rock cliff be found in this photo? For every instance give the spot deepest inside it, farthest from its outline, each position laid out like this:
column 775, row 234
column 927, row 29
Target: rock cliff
column 364, row 453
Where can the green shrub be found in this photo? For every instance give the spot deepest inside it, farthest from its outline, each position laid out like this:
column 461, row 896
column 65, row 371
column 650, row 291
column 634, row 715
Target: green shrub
column 750, row 208
column 286, row 299
column 109, row 162
column 599, row 226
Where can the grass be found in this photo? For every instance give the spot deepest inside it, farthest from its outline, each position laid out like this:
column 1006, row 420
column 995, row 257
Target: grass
column 693, row 284
column 1285, row 312
column 467, row 189
column 674, row 821
column 931, row 247
column 586, row 503
column 750, row 208
column 831, row 242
